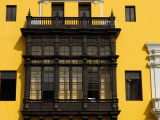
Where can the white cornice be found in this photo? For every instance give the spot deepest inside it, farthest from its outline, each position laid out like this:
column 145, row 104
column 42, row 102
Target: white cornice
column 95, row 1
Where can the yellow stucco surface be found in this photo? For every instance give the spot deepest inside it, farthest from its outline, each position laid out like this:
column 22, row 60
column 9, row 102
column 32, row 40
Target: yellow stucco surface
column 130, row 46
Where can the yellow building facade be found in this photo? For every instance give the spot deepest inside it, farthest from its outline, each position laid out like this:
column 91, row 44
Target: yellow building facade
column 130, row 46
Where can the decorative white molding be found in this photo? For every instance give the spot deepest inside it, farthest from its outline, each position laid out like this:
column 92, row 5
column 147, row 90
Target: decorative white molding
column 154, row 64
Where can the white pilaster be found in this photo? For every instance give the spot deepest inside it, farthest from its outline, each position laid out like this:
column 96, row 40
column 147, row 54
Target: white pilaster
column 154, row 64
column 40, row 8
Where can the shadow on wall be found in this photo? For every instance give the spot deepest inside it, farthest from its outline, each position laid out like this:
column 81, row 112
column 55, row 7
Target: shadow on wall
column 144, row 48
column 148, row 115
column 20, row 46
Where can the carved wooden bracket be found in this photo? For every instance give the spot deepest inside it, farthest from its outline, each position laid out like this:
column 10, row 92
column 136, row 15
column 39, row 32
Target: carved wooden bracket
column 70, row 117
column 113, row 117
column 85, row 117
column 56, row 118
column 41, row 118
column 26, row 118
column 99, row 117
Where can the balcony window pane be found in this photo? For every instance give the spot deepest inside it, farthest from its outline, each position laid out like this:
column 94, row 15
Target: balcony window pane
column 8, row 13
column 14, row 13
column 132, row 14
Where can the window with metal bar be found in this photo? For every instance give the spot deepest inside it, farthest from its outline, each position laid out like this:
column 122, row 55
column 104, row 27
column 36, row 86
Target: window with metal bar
column 133, row 85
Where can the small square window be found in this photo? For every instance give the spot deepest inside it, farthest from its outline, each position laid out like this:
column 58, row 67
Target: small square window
column 130, row 14
column 11, row 13
column 7, row 86
column 133, row 85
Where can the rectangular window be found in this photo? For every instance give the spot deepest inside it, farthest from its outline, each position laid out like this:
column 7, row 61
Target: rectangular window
column 130, row 14
column 8, row 85
column 93, row 83
column 58, row 8
column 86, row 8
column 35, row 90
column 11, row 13
column 133, row 85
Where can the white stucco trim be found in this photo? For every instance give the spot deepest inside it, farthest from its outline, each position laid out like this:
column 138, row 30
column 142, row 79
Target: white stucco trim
column 40, row 8
column 154, row 64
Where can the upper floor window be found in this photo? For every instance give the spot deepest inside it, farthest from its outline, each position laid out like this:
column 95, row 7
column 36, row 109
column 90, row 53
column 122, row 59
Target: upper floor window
column 7, row 85
column 11, row 13
column 58, row 8
column 104, row 50
column 86, row 8
column 92, row 50
column 130, row 14
column 36, row 50
column 77, row 50
column 133, row 85
column 64, row 50
column 49, row 50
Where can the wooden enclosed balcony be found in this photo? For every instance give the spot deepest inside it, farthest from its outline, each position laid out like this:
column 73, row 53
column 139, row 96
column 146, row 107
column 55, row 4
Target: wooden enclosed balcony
column 83, row 22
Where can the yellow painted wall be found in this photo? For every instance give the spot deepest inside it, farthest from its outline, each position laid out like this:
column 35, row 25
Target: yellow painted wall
column 129, row 46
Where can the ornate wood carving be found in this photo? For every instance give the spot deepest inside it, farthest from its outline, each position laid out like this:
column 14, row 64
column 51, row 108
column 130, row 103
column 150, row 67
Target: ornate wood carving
column 64, row 42
column 63, row 105
column 92, row 42
column 49, row 42
column 92, row 106
column 105, row 105
column 36, row 42
column 77, row 42
column 46, row 105
column 113, row 117
column 76, row 105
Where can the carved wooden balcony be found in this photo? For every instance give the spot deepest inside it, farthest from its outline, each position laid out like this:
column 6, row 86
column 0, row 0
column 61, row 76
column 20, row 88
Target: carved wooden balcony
column 83, row 22
column 65, row 107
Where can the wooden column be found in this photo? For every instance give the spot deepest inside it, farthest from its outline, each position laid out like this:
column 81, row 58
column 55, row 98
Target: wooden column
column 70, row 81
column 27, row 69
column 113, row 44
column 42, row 81
column 85, row 71
column 56, row 70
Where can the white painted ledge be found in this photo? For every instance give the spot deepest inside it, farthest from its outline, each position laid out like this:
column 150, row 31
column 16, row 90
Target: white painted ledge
column 154, row 64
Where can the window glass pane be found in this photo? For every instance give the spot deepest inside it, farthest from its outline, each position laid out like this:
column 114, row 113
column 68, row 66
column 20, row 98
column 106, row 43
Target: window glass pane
column 54, row 13
column 81, row 14
column 132, row 14
column 8, row 74
column 127, row 14
column 8, row 13
column 61, row 13
column 132, row 74
column 13, row 13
